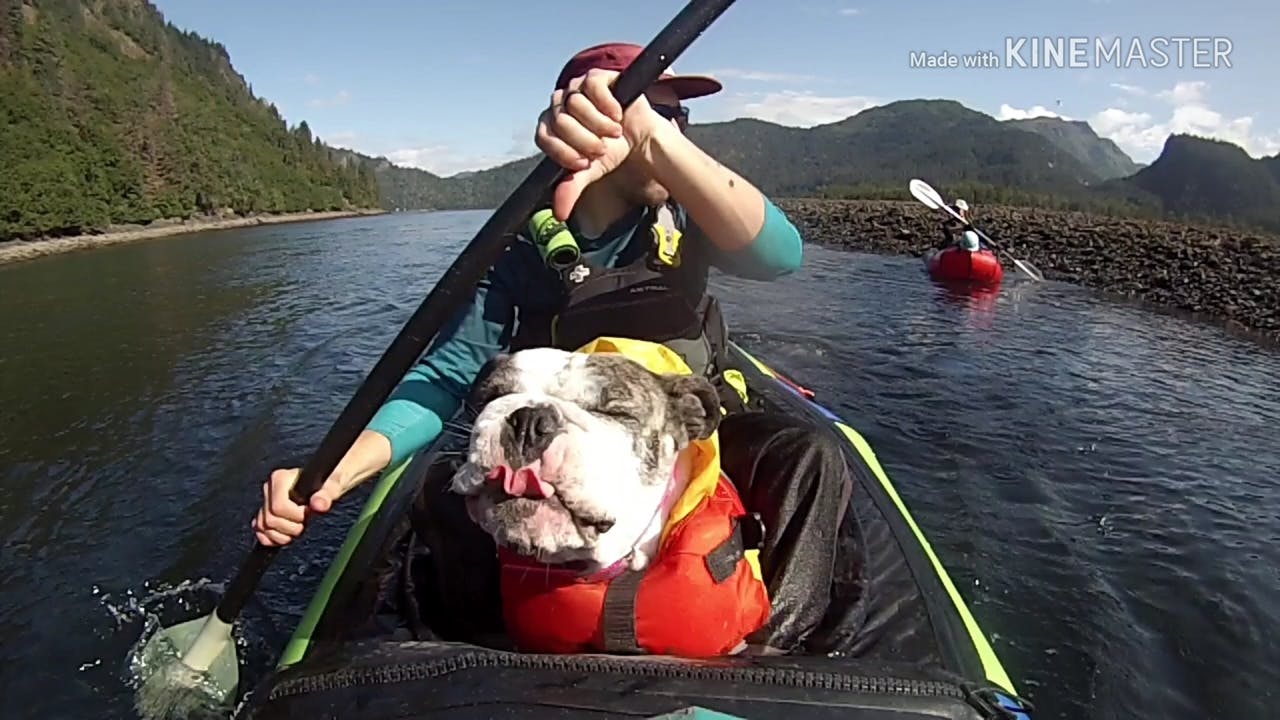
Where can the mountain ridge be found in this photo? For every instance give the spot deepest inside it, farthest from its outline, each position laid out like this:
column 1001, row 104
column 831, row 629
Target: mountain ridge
column 1043, row 162
column 1102, row 155
column 1196, row 177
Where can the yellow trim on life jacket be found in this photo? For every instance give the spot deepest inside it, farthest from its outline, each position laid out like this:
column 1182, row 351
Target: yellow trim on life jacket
column 738, row 382
column 704, row 471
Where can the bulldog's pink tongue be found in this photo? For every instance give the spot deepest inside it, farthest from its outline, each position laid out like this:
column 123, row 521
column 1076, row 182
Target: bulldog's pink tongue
column 521, row 483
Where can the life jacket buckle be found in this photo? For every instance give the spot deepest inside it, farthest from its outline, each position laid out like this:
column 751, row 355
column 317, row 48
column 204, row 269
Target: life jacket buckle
column 666, row 237
column 667, row 245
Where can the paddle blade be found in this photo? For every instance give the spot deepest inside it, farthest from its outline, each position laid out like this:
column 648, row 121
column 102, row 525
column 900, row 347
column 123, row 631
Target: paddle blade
column 171, row 688
column 925, row 193
column 1031, row 270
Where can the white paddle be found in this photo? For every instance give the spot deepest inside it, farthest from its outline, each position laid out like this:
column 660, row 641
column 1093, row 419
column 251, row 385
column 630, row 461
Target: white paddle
column 931, row 199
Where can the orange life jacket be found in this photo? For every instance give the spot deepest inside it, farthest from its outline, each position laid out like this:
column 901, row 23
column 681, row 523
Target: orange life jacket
column 700, row 597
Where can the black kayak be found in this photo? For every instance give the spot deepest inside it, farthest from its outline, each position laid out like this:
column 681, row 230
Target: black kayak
column 361, row 652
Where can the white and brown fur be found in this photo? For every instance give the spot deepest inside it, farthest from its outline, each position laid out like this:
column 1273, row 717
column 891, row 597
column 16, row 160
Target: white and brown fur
column 608, row 438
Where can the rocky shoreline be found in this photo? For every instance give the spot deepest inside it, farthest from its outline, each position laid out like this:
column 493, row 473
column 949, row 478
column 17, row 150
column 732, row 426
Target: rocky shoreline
column 1225, row 273
column 19, row 250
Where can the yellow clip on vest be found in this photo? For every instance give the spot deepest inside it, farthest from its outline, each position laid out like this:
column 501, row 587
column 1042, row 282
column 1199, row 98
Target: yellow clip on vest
column 666, row 238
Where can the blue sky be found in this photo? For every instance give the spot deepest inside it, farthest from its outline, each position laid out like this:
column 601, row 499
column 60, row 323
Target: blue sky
column 452, row 86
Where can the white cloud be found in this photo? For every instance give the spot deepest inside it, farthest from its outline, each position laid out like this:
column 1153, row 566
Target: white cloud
column 1113, row 119
column 850, row 11
column 1009, row 112
column 1134, row 132
column 342, row 97
column 444, row 160
column 1185, row 93
column 798, row 109
column 760, row 75
column 311, row 79
column 1141, row 136
column 1129, row 89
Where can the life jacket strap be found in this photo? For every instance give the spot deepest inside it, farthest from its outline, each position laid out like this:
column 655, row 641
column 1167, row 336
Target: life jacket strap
column 618, row 618
column 748, row 534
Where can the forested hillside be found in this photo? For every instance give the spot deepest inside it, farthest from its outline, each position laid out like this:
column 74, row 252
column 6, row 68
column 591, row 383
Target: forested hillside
column 111, row 115
column 1197, row 178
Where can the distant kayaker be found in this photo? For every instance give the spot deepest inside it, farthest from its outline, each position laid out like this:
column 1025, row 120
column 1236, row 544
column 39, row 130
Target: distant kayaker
column 642, row 205
column 968, row 239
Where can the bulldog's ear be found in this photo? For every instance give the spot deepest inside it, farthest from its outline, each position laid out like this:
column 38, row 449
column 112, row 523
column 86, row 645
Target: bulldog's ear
column 693, row 401
column 486, row 385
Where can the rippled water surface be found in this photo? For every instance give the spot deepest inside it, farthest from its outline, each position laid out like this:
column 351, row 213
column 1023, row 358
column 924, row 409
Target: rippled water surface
column 1100, row 480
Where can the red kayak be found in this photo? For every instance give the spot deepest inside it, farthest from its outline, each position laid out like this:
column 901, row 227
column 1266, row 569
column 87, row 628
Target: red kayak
column 959, row 265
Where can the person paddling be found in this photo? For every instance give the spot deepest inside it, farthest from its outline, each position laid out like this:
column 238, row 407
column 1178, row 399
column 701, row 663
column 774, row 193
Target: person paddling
column 642, row 208
column 968, row 240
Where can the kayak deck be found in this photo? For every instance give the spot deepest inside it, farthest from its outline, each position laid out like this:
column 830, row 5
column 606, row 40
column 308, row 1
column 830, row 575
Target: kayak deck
column 922, row 646
column 955, row 264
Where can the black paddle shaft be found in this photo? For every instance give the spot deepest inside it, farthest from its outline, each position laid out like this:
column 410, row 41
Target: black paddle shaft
column 455, row 287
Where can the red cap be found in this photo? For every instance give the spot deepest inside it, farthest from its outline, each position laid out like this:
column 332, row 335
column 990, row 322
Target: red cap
column 617, row 56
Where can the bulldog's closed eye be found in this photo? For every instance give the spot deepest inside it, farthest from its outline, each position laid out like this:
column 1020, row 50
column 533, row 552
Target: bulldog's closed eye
column 624, row 399
column 615, row 411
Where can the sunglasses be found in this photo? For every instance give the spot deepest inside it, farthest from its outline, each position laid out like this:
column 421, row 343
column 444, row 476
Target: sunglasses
column 679, row 113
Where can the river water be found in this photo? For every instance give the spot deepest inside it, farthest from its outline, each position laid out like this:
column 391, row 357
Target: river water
column 1101, row 480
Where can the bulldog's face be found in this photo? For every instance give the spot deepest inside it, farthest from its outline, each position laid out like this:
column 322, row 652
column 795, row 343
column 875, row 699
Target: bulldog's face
column 571, row 454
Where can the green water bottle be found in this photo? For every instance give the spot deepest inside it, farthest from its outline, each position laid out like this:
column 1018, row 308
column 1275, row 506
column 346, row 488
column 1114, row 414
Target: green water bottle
column 555, row 243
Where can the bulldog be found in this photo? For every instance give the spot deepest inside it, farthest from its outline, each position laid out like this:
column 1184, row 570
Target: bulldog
column 575, row 459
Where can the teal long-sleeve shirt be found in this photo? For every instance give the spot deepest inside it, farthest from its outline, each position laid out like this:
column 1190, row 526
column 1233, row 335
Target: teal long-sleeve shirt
column 433, row 389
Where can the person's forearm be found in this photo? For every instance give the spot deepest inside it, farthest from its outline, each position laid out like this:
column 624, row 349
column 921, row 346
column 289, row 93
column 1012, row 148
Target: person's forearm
column 729, row 209
column 368, row 456
column 414, row 415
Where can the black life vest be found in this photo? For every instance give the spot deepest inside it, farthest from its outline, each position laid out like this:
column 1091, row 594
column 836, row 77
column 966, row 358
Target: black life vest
column 657, row 292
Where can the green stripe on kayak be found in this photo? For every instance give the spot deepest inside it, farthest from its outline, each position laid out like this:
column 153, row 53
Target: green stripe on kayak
column 991, row 664
column 301, row 638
